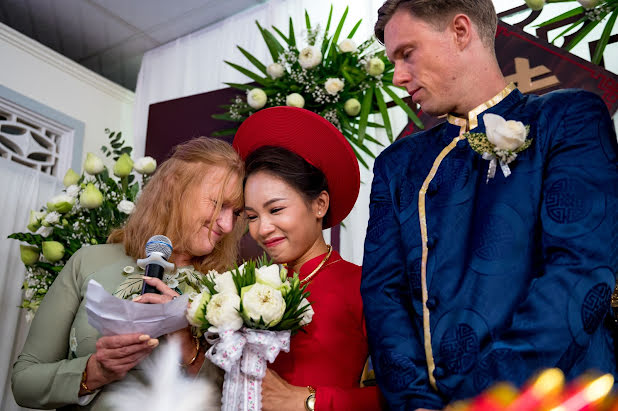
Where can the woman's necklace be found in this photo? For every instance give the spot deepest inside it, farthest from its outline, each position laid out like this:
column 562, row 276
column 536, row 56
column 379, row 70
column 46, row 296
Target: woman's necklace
column 314, row 272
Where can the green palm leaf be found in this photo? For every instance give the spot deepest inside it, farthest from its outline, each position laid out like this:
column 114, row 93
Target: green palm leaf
column 273, row 45
column 405, row 107
column 384, row 113
column 364, row 114
column 563, row 16
column 253, row 60
column 334, row 40
column 598, row 52
column 249, row 74
column 355, row 28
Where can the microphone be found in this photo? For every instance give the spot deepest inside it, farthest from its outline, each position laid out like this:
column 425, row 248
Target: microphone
column 158, row 251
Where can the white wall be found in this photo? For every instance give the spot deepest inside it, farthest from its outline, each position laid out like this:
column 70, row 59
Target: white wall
column 41, row 74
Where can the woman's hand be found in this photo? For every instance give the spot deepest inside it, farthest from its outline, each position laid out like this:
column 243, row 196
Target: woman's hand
column 115, row 356
column 277, row 394
column 187, row 342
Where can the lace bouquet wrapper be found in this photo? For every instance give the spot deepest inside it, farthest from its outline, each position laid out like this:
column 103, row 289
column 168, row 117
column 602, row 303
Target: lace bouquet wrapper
column 247, row 315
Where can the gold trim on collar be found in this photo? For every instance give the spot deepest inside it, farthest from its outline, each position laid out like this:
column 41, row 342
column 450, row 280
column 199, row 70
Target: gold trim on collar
column 431, row 365
column 472, row 121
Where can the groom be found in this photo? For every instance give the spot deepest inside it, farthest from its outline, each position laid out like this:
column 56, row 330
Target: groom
column 492, row 254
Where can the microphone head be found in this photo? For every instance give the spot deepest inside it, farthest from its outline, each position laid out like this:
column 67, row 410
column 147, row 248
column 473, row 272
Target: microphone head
column 159, row 244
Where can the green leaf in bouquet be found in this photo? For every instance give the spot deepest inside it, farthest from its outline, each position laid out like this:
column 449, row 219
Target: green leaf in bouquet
column 224, row 132
column 358, row 23
column 360, row 146
column 49, row 267
column 291, row 36
column 308, row 21
column 325, row 41
column 607, row 31
column 569, row 28
column 384, row 113
column 584, row 31
column 33, row 239
column 248, row 73
column 209, row 283
column 360, row 158
column 563, row 16
column 239, row 86
column 253, row 60
column 283, row 36
column 405, row 107
column 335, row 39
column 273, row 45
column 364, row 114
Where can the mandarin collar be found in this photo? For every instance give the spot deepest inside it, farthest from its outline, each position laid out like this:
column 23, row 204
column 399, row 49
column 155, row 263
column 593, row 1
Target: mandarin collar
column 471, row 121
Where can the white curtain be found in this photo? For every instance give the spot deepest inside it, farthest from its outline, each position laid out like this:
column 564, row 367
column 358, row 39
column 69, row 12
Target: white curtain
column 23, row 189
column 195, row 64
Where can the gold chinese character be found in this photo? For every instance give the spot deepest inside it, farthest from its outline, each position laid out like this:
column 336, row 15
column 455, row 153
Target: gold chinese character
column 524, row 76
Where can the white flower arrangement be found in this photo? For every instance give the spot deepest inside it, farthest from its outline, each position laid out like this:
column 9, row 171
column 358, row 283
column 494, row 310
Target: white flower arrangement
column 91, row 205
column 261, row 297
column 501, row 142
column 329, row 74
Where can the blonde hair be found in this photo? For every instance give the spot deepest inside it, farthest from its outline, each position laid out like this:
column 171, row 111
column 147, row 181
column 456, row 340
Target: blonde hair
column 164, row 204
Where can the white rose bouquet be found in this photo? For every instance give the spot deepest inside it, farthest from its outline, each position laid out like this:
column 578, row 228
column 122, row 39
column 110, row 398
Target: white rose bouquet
column 248, row 315
column 328, row 74
column 90, row 206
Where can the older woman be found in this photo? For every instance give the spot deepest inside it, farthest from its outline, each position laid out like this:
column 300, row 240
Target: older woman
column 301, row 177
column 194, row 199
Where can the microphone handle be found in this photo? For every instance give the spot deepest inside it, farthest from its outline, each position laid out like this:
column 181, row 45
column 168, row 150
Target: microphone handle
column 152, row 270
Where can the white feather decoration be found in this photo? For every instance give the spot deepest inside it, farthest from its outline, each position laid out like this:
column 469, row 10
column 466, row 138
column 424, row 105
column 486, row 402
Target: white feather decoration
column 168, row 388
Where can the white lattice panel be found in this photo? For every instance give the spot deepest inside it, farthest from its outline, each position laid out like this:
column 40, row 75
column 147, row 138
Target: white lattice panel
column 34, row 141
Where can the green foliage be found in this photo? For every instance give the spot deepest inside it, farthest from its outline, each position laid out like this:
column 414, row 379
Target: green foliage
column 587, row 19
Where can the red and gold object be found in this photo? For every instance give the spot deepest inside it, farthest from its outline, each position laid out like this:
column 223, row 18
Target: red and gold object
column 587, row 396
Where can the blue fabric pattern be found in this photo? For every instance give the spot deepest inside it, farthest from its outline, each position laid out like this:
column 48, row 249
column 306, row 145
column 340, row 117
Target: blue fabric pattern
column 520, row 269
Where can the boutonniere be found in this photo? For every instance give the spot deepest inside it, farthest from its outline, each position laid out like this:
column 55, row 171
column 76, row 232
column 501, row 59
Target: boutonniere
column 500, row 143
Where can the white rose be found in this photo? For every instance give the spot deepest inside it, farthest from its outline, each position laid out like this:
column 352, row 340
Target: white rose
column 505, row 135
column 145, row 165
column 262, row 301
column 73, row 191
column 222, row 311
column 51, row 218
column 196, row 313
column 588, row 4
column 295, row 100
column 347, row 46
column 268, row 275
column 126, row 206
column 310, row 57
column 275, row 70
column 308, row 314
column 256, row 98
column 224, row 283
column 333, row 86
column 93, row 164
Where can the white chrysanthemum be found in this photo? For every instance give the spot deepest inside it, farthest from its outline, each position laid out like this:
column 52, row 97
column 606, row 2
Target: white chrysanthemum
column 224, row 283
column 275, row 70
column 333, row 86
column 347, row 46
column 310, row 57
column 126, row 206
column 268, row 275
column 222, row 311
column 73, row 190
column 308, row 314
column 51, row 218
column 145, row 165
column 256, row 98
column 262, row 301
column 295, row 100
column 196, row 313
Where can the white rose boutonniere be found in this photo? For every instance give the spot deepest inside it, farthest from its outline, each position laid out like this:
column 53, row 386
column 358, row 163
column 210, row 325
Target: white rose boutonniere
column 500, row 143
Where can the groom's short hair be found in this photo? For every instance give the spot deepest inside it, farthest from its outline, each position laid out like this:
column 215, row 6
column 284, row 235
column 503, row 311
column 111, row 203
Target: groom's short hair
column 438, row 12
